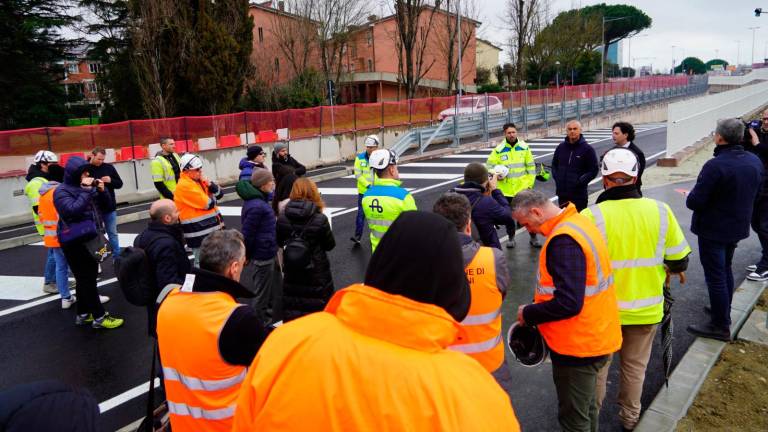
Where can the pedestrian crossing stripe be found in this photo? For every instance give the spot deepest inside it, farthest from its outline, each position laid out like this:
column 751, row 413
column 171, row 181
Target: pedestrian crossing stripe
column 21, row 288
column 423, row 176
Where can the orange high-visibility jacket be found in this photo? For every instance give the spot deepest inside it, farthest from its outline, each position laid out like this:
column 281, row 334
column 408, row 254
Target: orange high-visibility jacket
column 200, row 386
column 198, row 213
column 49, row 218
column 596, row 330
column 370, row 361
column 483, row 322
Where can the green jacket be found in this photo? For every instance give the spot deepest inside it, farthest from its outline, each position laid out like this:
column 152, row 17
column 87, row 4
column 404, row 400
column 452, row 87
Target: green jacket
column 382, row 204
column 32, row 191
column 519, row 160
column 363, row 172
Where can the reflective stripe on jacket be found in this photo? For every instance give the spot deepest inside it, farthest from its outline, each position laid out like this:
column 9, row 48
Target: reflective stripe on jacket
column 198, row 213
column 363, row 173
column 596, row 330
column 49, row 219
column 519, row 160
column 483, row 322
column 162, row 171
column 32, row 191
column 201, row 387
column 382, row 204
column 372, row 361
column 641, row 233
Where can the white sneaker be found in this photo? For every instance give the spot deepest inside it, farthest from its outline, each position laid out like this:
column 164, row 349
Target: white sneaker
column 751, row 267
column 50, row 288
column 758, row 277
column 67, row 303
column 103, row 299
column 99, row 268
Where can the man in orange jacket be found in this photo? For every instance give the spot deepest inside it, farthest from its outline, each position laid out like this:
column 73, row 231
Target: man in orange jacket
column 575, row 304
column 377, row 357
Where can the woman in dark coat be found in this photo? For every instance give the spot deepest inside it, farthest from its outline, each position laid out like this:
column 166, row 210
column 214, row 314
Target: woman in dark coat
column 306, row 290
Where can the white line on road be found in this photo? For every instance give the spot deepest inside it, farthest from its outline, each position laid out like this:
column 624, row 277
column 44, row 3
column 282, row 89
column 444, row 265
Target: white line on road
column 45, row 300
column 124, row 397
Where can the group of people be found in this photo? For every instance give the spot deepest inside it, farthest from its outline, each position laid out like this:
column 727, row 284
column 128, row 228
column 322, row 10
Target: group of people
column 409, row 347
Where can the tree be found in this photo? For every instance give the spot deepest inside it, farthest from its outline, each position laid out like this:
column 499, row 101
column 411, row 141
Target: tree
column 498, row 72
column 691, row 65
column 526, row 20
column 295, row 34
column 633, row 22
column 31, row 48
column 447, row 35
column 415, row 19
column 483, row 76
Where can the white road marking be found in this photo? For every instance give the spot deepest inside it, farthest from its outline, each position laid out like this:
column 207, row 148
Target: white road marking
column 124, row 397
column 21, row 288
column 45, row 300
column 435, row 165
column 423, row 176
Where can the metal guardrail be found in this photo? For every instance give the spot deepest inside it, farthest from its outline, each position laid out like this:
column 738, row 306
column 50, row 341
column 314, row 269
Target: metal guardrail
column 455, row 128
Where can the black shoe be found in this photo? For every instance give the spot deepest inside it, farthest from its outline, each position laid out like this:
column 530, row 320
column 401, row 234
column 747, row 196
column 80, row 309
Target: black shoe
column 710, row 331
column 511, row 243
column 355, row 240
column 534, row 242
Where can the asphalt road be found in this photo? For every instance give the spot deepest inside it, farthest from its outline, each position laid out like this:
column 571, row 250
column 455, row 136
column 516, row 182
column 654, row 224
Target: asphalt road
column 40, row 340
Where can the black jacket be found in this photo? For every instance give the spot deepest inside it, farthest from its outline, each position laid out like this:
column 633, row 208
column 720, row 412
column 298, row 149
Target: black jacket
column 573, row 167
column 164, row 246
column 487, row 211
column 298, row 168
column 761, row 151
column 724, row 194
column 309, row 291
column 106, row 169
column 47, row 406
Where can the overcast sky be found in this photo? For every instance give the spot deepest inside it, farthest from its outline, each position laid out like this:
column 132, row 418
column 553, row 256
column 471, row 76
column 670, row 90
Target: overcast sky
column 699, row 28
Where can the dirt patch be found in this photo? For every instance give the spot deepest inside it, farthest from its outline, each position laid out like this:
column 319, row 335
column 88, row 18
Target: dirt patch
column 734, row 395
column 762, row 302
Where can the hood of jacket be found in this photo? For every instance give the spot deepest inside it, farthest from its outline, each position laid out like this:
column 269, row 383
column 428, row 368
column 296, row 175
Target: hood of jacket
column 247, row 191
column 580, row 142
column 245, row 163
column 300, row 210
column 47, row 186
column 35, row 171
column 208, row 281
column 469, row 188
column 74, row 170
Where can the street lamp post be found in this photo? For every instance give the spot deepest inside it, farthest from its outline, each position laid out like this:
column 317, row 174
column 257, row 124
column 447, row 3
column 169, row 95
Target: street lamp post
column 753, row 42
column 673, row 59
column 458, row 29
column 738, row 52
column 602, row 56
column 557, row 76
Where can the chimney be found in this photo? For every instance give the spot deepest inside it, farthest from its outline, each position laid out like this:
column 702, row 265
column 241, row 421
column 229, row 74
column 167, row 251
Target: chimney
column 372, row 18
column 281, row 5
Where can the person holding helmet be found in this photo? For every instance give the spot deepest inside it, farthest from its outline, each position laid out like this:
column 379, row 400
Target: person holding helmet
column 385, row 199
column 488, row 276
column 196, row 199
column 45, row 167
column 166, row 168
column 364, row 177
column 645, row 242
column 574, row 306
column 527, row 344
column 512, row 162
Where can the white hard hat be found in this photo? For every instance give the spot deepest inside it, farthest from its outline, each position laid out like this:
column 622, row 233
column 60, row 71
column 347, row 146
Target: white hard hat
column 382, row 158
column 501, row 171
column 190, row 161
column 619, row 160
column 45, row 156
column 372, row 141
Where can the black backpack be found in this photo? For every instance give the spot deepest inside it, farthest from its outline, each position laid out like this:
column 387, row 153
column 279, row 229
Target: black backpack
column 297, row 253
column 135, row 276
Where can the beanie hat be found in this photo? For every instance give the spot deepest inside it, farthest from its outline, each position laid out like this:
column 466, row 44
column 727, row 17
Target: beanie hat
column 476, row 173
column 254, row 151
column 260, row 177
column 279, row 146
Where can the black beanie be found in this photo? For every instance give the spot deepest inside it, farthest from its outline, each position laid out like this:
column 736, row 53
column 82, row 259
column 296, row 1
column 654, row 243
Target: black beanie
column 476, row 173
column 420, row 258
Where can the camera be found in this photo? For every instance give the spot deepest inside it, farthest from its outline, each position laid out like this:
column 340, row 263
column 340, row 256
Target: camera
column 96, row 182
column 750, row 124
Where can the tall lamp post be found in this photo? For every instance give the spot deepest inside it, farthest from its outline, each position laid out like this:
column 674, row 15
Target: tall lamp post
column 753, row 43
column 738, row 52
column 458, row 29
column 673, row 59
column 557, row 75
column 602, row 56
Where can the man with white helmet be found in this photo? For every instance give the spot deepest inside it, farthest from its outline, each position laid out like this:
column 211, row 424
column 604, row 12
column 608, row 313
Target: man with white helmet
column 45, row 166
column 196, row 198
column 385, row 199
column 364, row 177
column 645, row 243
column 512, row 162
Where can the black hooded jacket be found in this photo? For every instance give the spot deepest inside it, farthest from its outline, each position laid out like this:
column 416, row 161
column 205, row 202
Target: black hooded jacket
column 574, row 165
column 299, row 169
column 308, row 291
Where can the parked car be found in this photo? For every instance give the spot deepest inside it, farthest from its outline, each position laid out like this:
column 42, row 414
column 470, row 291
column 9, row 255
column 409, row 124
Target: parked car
column 473, row 104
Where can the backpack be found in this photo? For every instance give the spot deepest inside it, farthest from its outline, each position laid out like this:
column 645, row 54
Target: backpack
column 475, row 231
column 135, row 276
column 297, row 252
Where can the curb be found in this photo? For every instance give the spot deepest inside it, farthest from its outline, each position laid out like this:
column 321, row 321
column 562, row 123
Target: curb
column 671, row 403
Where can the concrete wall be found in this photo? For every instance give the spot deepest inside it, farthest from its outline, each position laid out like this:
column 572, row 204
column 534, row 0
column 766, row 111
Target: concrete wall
column 691, row 120
column 739, row 80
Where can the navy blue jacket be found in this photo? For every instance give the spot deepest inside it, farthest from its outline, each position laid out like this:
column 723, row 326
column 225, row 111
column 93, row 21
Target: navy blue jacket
column 246, row 168
column 258, row 223
column 47, row 406
column 107, row 169
column 573, row 167
column 72, row 202
column 487, row 212
column 724, row 194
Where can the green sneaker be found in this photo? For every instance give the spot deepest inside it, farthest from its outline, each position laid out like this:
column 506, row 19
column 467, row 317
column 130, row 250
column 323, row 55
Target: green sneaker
column 107, row 322
column 83, row 319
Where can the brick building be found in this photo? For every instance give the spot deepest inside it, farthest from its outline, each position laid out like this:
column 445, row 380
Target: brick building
column 80, row 82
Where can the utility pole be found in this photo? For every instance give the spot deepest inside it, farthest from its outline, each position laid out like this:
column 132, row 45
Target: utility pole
column 458, row 29
column 673, row 59
column 738, row 52
column 753, row 42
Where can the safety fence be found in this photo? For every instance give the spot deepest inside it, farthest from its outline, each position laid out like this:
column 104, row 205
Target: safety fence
column 137, row 139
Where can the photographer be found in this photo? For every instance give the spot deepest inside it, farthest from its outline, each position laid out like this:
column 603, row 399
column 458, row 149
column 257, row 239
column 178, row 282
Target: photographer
column 756, row 141
column 489, row 206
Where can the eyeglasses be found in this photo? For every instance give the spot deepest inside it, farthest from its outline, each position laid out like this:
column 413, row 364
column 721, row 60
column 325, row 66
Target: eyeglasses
column 765, row 118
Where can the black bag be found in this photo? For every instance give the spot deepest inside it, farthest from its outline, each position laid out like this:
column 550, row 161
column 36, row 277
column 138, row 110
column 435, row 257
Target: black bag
column 135, row 276
column 297, row 253
column 97, row 245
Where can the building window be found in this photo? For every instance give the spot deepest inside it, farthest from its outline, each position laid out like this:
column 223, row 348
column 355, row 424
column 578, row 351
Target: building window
column 72, row 68
column 261, row 35
column 370, row 65
column 93, row 67
column 92, row 87
column 277, row 66
column 369, row 37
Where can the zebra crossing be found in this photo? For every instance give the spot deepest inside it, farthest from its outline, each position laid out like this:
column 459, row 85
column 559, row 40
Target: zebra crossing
column 340, row 196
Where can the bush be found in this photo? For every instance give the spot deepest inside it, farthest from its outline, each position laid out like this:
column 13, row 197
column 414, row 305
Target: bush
column 490, row 88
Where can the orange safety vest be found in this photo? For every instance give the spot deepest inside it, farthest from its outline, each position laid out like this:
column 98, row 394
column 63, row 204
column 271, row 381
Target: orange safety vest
column 596, row 330
column 198, row 213
column 49, row 218
column 200, row 386
column 483, row 322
